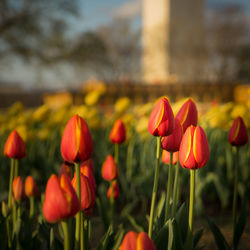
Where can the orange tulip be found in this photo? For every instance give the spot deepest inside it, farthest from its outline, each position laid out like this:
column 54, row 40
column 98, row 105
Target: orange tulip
column 194, row 149
column 116, row 191
column 65, row 169
column 187, row 114
column 60, row 201
column 76, row 144
column 86, row 171
column 15, row 146
column 87, row 192
column 18, row 189
column 118, row 132
column 172, row 142
column 109, row 169
column 238, row 135
column 30, row 187
column 161, row 120
column 135, row 241
column 166, row 157
column 89, row 163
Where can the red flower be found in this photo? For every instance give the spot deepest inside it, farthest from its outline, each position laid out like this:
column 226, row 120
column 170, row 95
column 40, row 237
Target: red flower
column 187, row 115
column 161, row 120
column 86, row 171
column 135, row 241
column 172, row 142
column 65, row 169
column 89, row 163
column 238, row 135
column 166, row 157
column 30, row 187
column 76, row 144
column 116, row 190
column 18, row 189
column 194, row 149
column 109, row 169
column 118, row 132
column 87, row 192
column 61, row 201
column 15, row 146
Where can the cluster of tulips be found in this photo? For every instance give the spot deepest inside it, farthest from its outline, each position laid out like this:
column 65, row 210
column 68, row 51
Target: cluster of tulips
column 73, row 194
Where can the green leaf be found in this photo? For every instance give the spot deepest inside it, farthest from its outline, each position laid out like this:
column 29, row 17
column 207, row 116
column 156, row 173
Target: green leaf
column 101, row 210
column 104, row 241
column 197, row 237
column 177, row 244
column 118, row 238
column 182, row 221
column 219, row 238
column 134, row 223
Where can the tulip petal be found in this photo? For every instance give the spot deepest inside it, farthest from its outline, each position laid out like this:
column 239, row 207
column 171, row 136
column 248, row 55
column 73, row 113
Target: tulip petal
column 129, row 242
column 144, row 242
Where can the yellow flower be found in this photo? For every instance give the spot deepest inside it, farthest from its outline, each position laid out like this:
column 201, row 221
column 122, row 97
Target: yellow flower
column 41, row 113
column 92, row 97
column 122, row 104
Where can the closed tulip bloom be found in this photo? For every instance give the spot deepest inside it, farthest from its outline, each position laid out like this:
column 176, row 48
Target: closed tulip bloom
column 116, row 190
column 86, row 171
column 60, row 201
column 187, row 114
column 31, row 189
column 87, row 192
column 18, row 189
column 65, row 169
column 89, row 163
column 166, row 157
column 109, row 169
column 76, row 144
column 161, row 120
column 118, row 132
column 15, row 146
column 194, row 149
column 238, row 135
column 137, row 241
column 172, row 142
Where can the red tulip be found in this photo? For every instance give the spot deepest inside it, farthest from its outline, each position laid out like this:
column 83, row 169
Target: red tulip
column 109, row 169
column 187, row 115
column 65, row 169
column 30, row 187
column 172, row 142
column 89, row 163
column 116, row 191
column 18, row 189
column 194, row 149
column 238, row 135
column 61, row 201
column 135, row 241
column 86, row 171
column 166, row 157
column 161, row 120
column 118, row 132
column 87, row 192
column 76, row 144
column 15, row 146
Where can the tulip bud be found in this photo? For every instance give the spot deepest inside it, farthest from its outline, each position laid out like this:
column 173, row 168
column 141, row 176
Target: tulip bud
column 118, row 132
column 135, row 241
column 18, row 189
column 86, row 171
column 116, row 191
column 89, row 163
column 65, row 169
column 76, row 144
column 109, row 169
column 60, row 201
column 172, row 142
column 161, row 120
column 194, row 149
column 187, row 114
column 238, row 135
column 15, row 146
column 31, row 189
column 87, row 192
column 166, row 157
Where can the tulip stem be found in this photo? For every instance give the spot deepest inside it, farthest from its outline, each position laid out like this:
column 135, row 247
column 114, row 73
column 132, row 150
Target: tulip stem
column 155, row 186
column 14, row 217
column 116, row 153
column 78, row 215
column 12, row 166
column 175, row 193
column 169, row 187
column 8, row 231
column 65, row 227
column 32, row 205
column 16, row 167
column 191, row 210
column 112, row 203
column 83, row 243
column 236, row 177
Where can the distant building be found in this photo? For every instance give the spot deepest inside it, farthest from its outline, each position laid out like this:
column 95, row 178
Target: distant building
column 173, row 41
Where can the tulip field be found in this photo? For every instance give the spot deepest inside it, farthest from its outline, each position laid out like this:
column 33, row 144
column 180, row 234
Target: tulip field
column 159, row 175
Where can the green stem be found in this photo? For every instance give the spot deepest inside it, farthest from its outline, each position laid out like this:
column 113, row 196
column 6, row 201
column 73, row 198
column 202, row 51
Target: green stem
column 8, row 231
column 32, row 205
column 112, row 203
column 82, row 239
column 169, row 187
column 191, row 210
column 236, row 177
column 116, row 153
column 12, row 166
column 18, row 218
column 16, row 167
column 14, row 215
column 65, row 227
column 175, row 193
column 155, row 186
column 78, row 215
